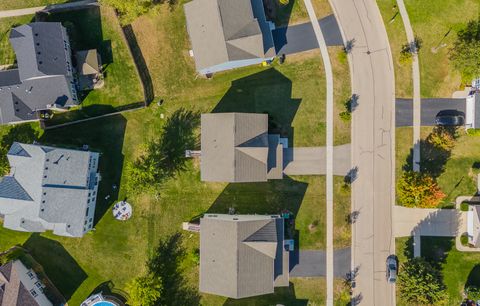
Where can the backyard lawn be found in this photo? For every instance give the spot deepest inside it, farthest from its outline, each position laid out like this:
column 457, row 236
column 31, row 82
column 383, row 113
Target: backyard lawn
column 436, row 23
column 459, row 269
column 293, row 94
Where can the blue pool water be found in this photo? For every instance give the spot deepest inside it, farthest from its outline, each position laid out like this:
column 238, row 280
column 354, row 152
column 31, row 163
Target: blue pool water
column 103, row 303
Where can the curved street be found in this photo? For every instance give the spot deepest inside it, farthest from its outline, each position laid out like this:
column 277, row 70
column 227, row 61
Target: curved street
column 373, row 141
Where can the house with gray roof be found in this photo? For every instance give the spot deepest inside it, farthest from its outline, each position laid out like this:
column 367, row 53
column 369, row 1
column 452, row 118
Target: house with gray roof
column 242, row 255
column 236, row 147
column 44, row 77
column 49, row 188
column 20, row 286
column 227, row 34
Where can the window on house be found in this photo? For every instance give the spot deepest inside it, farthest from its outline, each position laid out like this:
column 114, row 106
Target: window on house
column 86, row 214
column 30, row 274
column 39, row 285
column 33, row 293
column 90, row 220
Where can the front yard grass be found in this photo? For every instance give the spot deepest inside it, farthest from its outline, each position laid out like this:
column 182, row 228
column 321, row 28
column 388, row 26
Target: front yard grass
column 459, row 174
column 436, row 23
column 459, row 269
column 397, row 38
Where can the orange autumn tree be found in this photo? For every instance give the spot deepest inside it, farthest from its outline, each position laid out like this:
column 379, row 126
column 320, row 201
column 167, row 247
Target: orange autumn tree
column 416, row 189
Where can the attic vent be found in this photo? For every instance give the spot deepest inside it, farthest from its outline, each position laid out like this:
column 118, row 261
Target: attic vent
column 39, row 52
column 68, row 226
column 36, row 34
column 43, row 209
column 38, row 44
column 40, row 62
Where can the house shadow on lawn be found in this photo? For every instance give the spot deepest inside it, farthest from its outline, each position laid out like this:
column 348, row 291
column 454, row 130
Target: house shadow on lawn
column 265, row 198
column 268, row 92
column 436, row 249
column 282, row 296
column 104, row 135
column 68, row 275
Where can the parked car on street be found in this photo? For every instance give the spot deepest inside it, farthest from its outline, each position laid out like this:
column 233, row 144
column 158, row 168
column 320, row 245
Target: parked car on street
column 392, row 269
column 450, row 120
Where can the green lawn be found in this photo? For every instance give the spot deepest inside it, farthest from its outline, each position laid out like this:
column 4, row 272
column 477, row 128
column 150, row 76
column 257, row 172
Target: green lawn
column 397, row 38
column 436, row 23
column 7, row 56
column 459, row 174
column 127, row 245
column 18, row 4
column 458, row 268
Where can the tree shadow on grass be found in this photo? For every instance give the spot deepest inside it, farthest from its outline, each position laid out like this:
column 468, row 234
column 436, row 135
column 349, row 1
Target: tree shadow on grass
column 473, row 279
column 270, row 197
column 101, row 135
column 282, row 296
column 435, row 250
column 58, row 264
column 266, row 92
column 166, row 263
column 433, row 157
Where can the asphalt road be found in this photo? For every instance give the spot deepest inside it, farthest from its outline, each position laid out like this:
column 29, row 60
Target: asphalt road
column 301, row 37
column 373, row 134
column 429, row 110
column 312, row 263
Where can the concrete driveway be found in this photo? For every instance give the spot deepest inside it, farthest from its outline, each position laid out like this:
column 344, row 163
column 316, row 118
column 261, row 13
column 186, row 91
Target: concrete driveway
column 312, row 263
column 312, row 161
column 425, row 222
column 429, row 110
column 300, row 37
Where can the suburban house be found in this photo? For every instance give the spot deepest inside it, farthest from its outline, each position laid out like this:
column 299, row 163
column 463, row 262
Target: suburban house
column 44, row 78
column 472, row 113
column 20, row 286
column 227, row 34
column 242, row 255
column 49, row 189
column 473, row 225
column 236, row 147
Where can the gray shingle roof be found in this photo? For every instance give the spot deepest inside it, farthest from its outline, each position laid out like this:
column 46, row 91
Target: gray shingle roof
column 228, row 30
column 48, row 188
column 239, row 254
column 44, row 76
column 235, row 147
column 40, row 49
column 9, row 77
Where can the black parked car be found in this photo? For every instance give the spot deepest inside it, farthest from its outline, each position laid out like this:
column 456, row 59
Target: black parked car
column 450, row 120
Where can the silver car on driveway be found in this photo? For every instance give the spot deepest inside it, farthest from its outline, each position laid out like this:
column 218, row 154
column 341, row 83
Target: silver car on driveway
column 392, row 268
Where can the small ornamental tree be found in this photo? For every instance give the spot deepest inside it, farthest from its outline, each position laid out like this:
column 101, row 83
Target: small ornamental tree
column 443, row 138
column 415, row 189
column 129, row 10
column 421, row 284
column 465, row 53
column 145, row 290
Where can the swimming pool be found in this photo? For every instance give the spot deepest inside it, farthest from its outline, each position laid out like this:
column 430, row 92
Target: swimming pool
column 104, row 303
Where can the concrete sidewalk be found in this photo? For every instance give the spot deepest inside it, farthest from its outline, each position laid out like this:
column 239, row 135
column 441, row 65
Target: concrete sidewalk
column 312, row 161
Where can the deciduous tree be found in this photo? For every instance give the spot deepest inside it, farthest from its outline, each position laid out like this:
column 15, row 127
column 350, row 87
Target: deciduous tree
column 145, row 290
column 420, row 283
column 415, row 189
column 465, row 53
